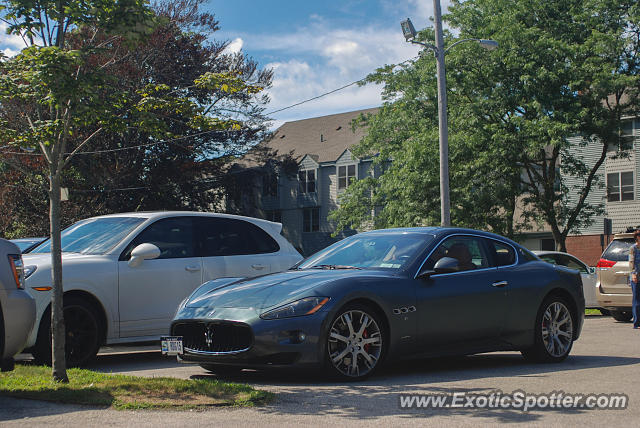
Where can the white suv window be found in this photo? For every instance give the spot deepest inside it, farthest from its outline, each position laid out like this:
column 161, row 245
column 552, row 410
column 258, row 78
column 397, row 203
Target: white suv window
column 232, row 237
column 173, row 236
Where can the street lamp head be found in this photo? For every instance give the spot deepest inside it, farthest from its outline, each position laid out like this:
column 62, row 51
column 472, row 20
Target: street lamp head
column 408, row 31
column 488, row 44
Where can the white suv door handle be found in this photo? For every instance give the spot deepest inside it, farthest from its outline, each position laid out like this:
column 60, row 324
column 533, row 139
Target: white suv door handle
column 192, row 268
column 258, row 267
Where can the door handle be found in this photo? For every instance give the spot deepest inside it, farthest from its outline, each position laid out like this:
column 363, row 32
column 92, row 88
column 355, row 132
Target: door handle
column 500, row 284
column 623, row 273
column 258, row 267
column 192, row 268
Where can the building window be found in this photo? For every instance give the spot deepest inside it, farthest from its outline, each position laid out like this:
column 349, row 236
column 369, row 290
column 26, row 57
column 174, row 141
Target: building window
column 547, row 244
column 620, row 186
column 307, row 179
column 346, row 175
column 270, row 184
column 625, row 137
column 273, row 215
column 311, row 220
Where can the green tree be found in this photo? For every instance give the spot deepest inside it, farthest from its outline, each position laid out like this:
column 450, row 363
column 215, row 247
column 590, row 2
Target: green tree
column 189, row 173
column 402, row 139
column 563, row 68
column 63, row 87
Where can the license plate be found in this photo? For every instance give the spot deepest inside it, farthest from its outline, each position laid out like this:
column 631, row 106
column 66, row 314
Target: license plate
column 171, row 345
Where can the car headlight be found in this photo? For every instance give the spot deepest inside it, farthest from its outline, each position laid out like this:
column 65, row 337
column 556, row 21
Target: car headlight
column 306, row 306
column 29, row 270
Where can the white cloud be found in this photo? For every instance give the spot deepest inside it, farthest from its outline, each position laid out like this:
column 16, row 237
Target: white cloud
column 10, row 44
column 235, row 46
column 423, row 9
column 320, row 59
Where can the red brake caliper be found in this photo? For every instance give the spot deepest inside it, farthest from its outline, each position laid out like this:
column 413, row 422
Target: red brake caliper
column 365, row 334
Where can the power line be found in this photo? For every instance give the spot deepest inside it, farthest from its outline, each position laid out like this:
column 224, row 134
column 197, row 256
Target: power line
column 316, row 97
column 335, row 90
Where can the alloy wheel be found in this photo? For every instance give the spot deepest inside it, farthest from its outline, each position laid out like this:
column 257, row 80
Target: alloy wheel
column 557, row 329
column 355, row 343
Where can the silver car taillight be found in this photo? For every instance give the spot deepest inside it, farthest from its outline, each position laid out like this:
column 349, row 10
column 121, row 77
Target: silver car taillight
column 17, row 268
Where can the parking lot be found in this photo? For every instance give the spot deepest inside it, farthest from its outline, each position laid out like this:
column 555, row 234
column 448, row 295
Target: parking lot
column 606, row 359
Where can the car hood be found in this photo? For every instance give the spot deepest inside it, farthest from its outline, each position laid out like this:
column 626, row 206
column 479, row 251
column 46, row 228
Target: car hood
column 43, row 260
column 269, row 290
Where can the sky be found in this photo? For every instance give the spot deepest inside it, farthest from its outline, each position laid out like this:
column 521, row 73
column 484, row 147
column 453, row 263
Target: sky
column 313, row 47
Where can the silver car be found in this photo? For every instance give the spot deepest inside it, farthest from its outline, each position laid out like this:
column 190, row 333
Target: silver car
column 588, row 274
column 17, row 307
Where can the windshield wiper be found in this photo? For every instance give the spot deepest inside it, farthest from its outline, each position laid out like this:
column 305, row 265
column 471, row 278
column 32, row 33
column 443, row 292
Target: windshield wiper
column 332, row 267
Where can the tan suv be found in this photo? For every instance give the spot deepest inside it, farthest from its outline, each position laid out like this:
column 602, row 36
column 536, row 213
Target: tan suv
column 612, row 288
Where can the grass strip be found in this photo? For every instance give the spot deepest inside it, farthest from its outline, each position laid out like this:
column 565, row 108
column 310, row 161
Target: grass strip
column 126, row 392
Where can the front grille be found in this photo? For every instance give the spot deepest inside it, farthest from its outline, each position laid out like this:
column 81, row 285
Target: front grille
column 213, row 337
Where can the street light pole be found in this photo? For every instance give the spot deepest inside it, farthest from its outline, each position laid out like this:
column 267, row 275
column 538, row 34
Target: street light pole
column 439, row 50
column 445, row 204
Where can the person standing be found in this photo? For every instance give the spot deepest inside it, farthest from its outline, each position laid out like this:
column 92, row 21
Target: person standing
column 634, row 265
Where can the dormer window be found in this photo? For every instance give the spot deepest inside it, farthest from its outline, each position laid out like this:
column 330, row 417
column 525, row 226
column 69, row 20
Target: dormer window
column 307, row 180
column 346, row 175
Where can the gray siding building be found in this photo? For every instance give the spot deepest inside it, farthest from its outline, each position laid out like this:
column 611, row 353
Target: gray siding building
column 619, row 173
column 325, row 168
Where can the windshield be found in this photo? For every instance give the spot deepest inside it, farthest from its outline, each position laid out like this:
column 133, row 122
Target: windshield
column 25, row 244
column 93, row 236
column 370, row 251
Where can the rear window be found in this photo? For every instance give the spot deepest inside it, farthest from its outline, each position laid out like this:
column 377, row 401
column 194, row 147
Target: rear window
column 618, row 250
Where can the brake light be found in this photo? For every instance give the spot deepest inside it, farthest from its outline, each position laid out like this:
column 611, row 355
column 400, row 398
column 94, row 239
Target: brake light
column 604, row 263
column 17, row 268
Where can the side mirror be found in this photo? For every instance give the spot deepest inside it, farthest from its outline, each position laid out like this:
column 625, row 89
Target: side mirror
column 447, row 265
column 444, row 265
column 143, row 252
column 592, row 270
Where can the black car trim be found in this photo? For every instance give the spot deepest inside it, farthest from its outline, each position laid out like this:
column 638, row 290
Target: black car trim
column 515, row 250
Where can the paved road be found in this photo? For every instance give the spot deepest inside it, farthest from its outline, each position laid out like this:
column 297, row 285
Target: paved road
column 605, row 360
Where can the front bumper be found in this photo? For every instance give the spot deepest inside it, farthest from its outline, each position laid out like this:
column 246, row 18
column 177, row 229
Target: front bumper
column 19, row 312
column 274, row 343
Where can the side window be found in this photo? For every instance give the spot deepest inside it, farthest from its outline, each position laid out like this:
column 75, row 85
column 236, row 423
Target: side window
column 547, row 258
column 174, row 237
column 503, row 254
column 571, row 263
column 468, row 250
column 231, row 237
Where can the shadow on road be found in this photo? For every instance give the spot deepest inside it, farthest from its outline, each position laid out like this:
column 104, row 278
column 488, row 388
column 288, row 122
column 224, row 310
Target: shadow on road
column 378, row 396
column 305, row 393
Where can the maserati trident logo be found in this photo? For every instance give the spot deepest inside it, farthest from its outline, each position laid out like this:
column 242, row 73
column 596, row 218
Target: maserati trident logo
column 208, row 336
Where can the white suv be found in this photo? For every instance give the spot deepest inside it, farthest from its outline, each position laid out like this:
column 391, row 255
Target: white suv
column 124, row 275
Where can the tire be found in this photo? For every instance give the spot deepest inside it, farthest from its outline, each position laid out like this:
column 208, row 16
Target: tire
column 221, row 369
column 83, row 333
column 622, row 316
column 356, row 343
column 553, row 332
column 605, row 312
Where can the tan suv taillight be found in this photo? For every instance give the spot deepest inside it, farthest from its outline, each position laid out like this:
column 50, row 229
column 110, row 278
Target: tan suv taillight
column 17, row 268
column 604, row 263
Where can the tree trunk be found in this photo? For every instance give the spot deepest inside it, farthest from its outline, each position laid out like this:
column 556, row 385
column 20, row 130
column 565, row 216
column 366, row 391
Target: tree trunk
column 561, row 244
column 58, row 362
